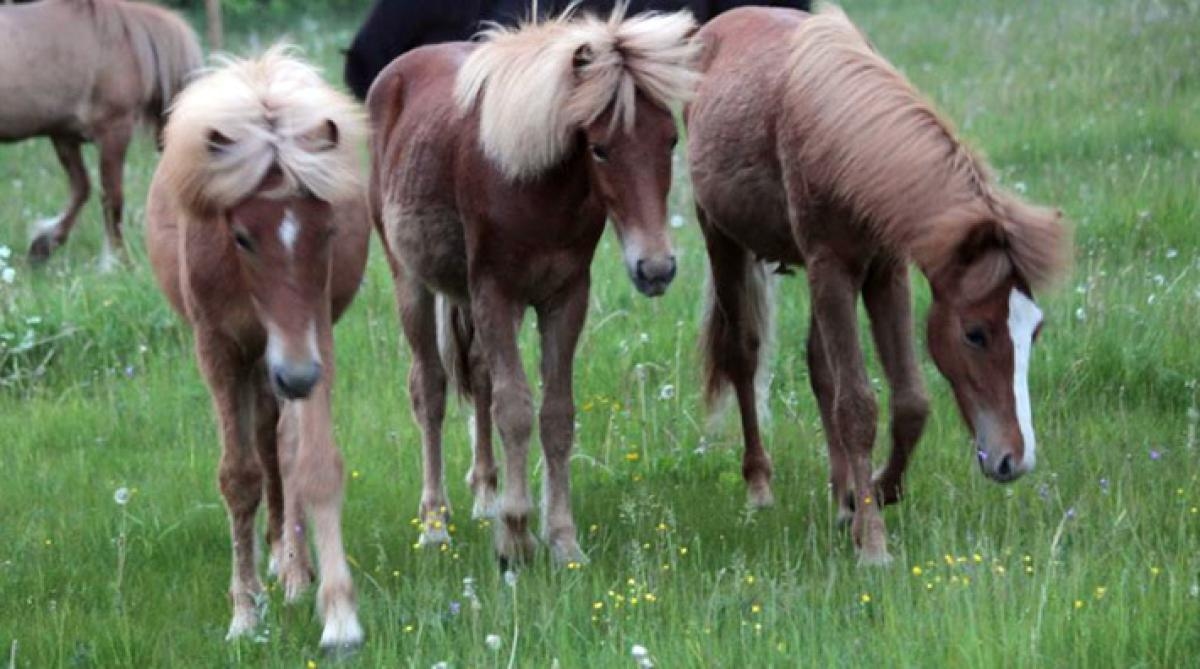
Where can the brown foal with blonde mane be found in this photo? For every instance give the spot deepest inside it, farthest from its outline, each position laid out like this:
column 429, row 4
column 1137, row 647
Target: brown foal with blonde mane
column 495, row 165
column 836, row 163
column 89, row 71
column 257, row 229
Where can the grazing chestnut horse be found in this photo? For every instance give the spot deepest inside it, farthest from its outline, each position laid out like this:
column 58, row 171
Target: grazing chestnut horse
column 257, row 228
column 495, row 165
column 89, row 71
column 836, row 163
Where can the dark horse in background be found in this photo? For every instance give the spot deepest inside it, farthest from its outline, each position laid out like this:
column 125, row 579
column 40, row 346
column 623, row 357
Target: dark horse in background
column 395, row 27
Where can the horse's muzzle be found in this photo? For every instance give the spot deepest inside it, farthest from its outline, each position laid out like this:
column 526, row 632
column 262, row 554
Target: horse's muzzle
column 652, row 276
column 295, row 381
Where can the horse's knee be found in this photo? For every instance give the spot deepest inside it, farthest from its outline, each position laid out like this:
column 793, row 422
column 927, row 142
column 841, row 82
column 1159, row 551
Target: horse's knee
column 856, row 412
column 241, row 486
column 910, row 410
column 513, row 414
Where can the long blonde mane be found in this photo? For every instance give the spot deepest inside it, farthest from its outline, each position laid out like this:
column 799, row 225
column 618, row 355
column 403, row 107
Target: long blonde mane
column 874, row 143
column 538, row 83
column 164, row 46
column 238, row 122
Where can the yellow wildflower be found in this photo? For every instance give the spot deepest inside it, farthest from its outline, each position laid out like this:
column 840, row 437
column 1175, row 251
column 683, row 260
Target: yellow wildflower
column 917, row 571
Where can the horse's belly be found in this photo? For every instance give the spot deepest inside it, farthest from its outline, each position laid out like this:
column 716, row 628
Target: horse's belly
column 429, row 243
column 750, row 209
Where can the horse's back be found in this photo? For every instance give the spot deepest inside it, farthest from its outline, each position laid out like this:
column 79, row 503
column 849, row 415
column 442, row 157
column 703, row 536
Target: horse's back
column 46, row 69
column 732, row 142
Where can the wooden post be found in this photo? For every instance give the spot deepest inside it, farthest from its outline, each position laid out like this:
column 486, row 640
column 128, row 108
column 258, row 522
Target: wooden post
column 213, row 10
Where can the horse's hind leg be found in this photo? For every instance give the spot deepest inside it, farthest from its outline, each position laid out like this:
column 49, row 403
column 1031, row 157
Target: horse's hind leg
column 482, row 476
column 889, row 304
column 113, row 142
column 735, row 325
column 427, row 390
column 239, row 474
column 820, row 377
column 51, row 234
column 560, row 325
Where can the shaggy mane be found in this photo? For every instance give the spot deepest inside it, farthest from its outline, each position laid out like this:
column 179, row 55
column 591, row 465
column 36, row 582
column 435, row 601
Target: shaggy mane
column 239, row 121
column 875, row 144
column 538, row 83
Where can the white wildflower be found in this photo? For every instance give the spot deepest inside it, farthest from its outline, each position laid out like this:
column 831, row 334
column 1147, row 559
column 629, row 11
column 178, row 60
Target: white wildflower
column 678, row 221
column 5, row 252
column 1080, row 314
column 492, row 641
column 1171, row 253
column 441, row 665
column 510, row 578
column 666, row 392
column 641, row 656
column 121, row 496
column 8, row 275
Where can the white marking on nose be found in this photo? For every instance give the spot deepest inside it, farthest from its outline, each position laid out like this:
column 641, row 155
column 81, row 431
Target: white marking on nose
column 1023, row 320
column 288, row 230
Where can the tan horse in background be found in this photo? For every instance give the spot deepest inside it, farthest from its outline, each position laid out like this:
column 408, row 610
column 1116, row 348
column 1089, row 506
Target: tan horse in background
column 495, row 166
column 81, row 71
column 257, row 229
column 808, row 148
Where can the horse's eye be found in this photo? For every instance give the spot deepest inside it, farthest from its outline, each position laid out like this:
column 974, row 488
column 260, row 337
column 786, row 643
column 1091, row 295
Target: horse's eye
column 600, row 153
column 243, row 241
column 976, row 337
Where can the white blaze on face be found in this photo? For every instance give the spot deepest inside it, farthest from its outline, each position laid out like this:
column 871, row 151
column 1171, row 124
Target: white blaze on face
column 1023, row 320
column 276, row 353
column 289, row 229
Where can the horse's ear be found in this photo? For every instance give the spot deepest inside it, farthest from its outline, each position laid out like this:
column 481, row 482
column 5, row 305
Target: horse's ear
column 324, row 137
column 217, row 142
column 584, row 55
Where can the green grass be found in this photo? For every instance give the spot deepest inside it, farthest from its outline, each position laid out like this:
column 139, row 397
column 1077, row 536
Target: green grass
column 1092, row 560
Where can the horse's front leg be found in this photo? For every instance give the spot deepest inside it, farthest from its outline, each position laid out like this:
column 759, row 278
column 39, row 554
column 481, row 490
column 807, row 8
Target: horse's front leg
column 835, row 285
column 497, row 319
column 889, row 303
column 315, row 480
column 239, row 474
column 560, row 323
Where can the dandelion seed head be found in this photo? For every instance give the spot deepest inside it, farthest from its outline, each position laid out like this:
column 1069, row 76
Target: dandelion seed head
column 121, row 496
column 510, row 578
column 492, row 641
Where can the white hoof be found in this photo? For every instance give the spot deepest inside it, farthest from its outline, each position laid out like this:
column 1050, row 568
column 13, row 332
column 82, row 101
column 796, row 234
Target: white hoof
column 342, row 630
column 486, row 502
column 434, row 537
column 244, row 622
column 759, row 496
column 880, row 558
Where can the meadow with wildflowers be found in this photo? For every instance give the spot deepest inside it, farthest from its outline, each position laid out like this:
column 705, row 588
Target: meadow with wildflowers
column 114, row 547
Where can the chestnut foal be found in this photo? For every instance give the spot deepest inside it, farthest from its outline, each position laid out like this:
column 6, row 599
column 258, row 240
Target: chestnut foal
column 836, row 163
column 257, row 228
column 495, row 165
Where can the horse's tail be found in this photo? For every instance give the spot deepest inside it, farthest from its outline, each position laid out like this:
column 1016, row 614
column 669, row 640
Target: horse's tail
column 737, row 334
column 165, row 48
column 455, row 334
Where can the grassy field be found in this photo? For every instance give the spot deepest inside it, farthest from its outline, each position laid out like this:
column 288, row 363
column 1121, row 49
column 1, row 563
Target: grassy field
column 1092, row 560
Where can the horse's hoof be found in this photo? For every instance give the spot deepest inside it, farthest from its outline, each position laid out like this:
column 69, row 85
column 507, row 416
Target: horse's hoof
column 878, row 557
column 244, row 622
column 486, row 502
column 567, row 553
column 295, row 579
column 759, row 495
column 40, row 249
column 889, row 490
column 514, row 545
column 342, row 636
